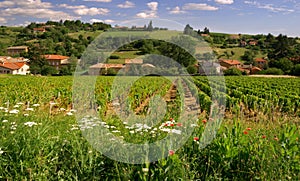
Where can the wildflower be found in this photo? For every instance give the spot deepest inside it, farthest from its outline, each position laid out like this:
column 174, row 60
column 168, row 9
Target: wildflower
column 1, row 108
column 194, row 125
column 249, row 129
column 14, row 111
column 116, row 131
column 172, row 125
column 179, row 124
column 4, row 121
column 16, row 106
column 20, row 103
column 176, row 131
column 62, row 109
column 69, row 114
column 26, row 115
column 245, row 132
column 30, row 124
column 204, row 121
column 36, row 105
column 263, row 136
column 132, row 132
column 171, row 152
column 1, row 151
column 196, row 138
column 29, row 109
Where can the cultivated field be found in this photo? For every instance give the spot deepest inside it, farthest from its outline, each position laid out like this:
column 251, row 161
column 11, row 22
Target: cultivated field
column 40, row 138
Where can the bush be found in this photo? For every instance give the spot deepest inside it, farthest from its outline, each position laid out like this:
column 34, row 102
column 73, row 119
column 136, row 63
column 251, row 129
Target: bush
column 272, row 71
column 114, row 57
column 233, row 71
column 297, row 70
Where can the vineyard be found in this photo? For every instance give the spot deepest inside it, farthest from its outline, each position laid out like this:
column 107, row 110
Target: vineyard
column 255, row 139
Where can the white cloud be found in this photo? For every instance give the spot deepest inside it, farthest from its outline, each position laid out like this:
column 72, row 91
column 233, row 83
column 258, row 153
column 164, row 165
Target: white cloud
column 83, row 10
column 152, row 13
column 5, row 4
column 146, row 15
column 153, row 6
column 224, row 1
column 127, row 4
column 108, row 21
column 72, row 7
column 269, row 7
column 102, row 1
column 37, row 13
column 26, row 4
column 3, row 20
column 91, row 11
column 176, row 10
column 201, row 6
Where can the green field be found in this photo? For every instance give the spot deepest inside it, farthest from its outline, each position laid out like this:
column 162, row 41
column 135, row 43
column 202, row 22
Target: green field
column 258, row 139
column 85, row 34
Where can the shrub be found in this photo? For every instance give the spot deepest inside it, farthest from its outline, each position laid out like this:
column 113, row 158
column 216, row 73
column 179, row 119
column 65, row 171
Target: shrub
column 272, row 71
column 233, row 71
column 114, row 57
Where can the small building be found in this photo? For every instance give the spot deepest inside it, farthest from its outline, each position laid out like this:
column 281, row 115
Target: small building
column 39, row 30
column 57, row 61
column 15, row 68
column 230, row 63
column 16, row 50
column 133, row 61
column 249, row 69
column 253, row 43
column 13, row 60
column 243, row 43
column 261, row 62
column 208, row 68
column 102, row 69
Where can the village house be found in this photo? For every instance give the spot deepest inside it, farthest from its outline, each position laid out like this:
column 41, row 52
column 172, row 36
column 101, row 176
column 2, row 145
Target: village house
column 13, row 60
column 253, row 42
column 243, row 43
column 249, row 69
column 16, row 50
column 39, row 30
column 208, row 68
column 57, row 61
column 102, row 69
column 230, row 63
column 261, row 62
column 15, row 68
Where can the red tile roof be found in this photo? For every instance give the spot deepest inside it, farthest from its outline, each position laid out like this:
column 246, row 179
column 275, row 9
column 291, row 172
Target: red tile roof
column 133, row 61
column 12, row 66
column 55, row 57
column 260, row 60
column 102, row 65
column 231, row 62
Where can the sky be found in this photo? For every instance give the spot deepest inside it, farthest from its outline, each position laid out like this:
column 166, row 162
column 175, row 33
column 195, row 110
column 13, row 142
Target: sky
column 228, row 16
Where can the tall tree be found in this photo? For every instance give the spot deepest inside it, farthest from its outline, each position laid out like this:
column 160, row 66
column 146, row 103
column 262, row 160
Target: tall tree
column 150, row 26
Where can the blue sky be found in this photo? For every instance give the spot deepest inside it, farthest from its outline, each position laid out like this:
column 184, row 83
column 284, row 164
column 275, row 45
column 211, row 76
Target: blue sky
column 230, row 16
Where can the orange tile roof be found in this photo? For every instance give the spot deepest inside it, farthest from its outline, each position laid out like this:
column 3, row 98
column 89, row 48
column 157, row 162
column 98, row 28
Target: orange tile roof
column 102, row 65
column 12, row 66
column 133, row 61
column 260, row 60
column 55, row 57
column 231, row 62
